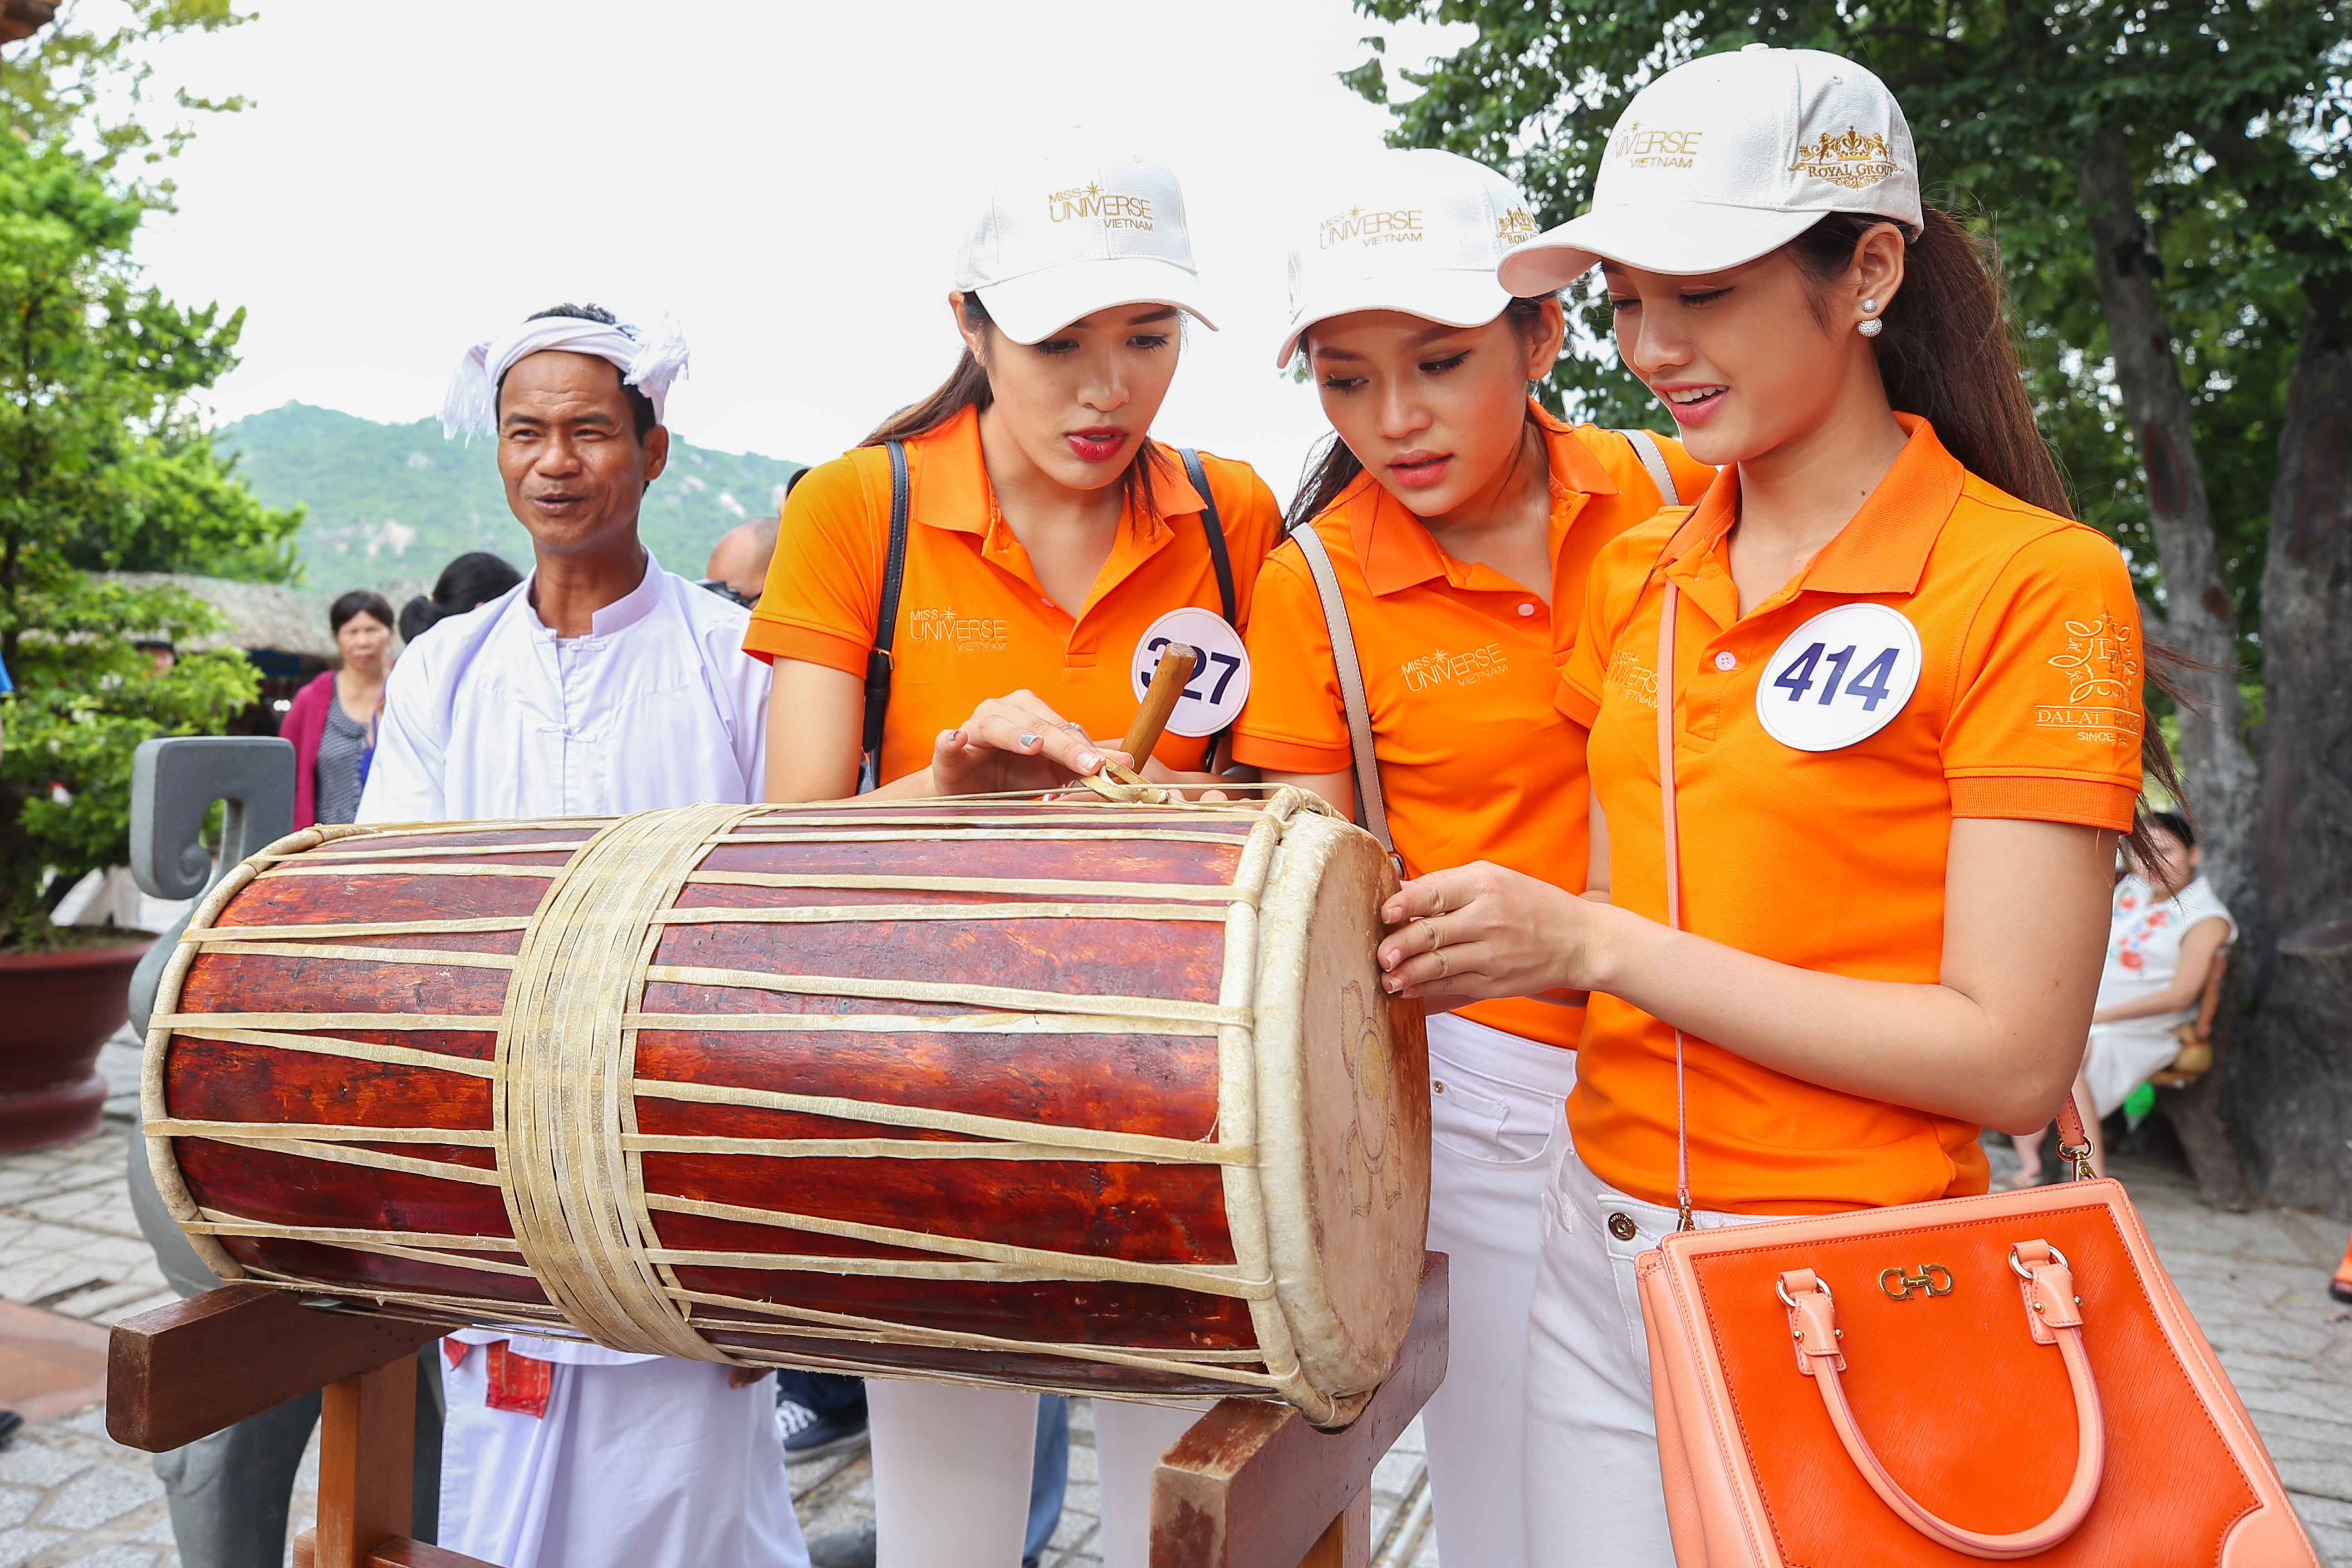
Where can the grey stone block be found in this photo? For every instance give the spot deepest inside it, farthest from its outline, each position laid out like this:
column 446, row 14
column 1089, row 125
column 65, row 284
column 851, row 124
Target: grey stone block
column 108, row 1492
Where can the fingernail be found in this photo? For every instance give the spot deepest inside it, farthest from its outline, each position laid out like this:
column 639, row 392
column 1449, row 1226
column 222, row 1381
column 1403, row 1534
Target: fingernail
column 1389, row 983
column 1029, row 740
column 1390, row 957
column 1089, row 761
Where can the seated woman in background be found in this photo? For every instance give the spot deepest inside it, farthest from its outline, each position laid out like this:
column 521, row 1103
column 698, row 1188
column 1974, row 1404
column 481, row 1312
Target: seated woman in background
column 332, row 721
column 2167, row 925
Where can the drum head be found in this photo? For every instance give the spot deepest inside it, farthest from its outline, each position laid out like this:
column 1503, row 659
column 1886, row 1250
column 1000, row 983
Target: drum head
column 1343, row 1110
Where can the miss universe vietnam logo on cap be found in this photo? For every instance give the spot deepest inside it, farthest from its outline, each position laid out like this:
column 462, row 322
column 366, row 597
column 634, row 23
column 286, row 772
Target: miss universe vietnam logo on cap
column 1397, row 226
column 1112, row 209
column 1854, row 159
column 1647, row 147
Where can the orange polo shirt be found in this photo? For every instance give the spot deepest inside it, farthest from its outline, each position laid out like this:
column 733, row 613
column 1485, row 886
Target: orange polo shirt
column 973, row 620
column 1459, row 666
column 2027, row 704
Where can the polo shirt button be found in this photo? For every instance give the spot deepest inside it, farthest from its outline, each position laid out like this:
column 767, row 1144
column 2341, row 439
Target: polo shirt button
column 1622, row 1226
column 1526, row 609
column 1727, row 659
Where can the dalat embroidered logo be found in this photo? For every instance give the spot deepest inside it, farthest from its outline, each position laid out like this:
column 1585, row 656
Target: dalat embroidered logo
column 1114, row 210
column 1650, row 148
column 1518, row 225
column 1854, row 160
column 1461, row 669
column 2101, row 667
column 1396, row 225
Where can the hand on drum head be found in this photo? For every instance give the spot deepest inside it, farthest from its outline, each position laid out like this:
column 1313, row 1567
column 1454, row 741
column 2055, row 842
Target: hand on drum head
column 1014, row 742
column 1482, row 929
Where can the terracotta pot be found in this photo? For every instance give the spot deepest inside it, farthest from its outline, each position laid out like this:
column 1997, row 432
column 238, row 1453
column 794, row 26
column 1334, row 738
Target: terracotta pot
column 56, row 1010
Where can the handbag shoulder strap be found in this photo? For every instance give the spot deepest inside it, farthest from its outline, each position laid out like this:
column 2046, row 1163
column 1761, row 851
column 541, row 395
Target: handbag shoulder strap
column 1652, row 456
column 1371, row 810
column 879, row 663
column 1214, row 527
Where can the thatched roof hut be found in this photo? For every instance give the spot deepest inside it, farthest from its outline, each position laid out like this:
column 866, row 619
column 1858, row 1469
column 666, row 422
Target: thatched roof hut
column 263, row 617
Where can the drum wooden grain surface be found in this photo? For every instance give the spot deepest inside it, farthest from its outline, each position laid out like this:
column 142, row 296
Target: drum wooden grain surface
column 1087, row 1096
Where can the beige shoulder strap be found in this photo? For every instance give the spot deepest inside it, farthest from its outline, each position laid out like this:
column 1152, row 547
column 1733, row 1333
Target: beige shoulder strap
column 1653, row 457
column 1371, row 811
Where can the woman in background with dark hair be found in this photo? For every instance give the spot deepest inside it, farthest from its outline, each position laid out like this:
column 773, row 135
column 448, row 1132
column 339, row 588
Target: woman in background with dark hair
column 472, row 580
column 332, row 722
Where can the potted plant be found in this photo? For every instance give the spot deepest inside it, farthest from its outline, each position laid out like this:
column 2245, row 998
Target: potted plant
column 102, row 465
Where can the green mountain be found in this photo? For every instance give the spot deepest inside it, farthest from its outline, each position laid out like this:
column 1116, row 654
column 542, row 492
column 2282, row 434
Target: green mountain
column 389, row 505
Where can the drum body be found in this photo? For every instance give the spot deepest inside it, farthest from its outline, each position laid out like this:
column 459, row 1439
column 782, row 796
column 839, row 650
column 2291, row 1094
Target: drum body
column 1093, row 1097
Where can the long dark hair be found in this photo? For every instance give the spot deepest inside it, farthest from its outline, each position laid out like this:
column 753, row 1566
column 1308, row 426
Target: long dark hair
column 1332, row 467
column 473, row 578
column 1947, row 355
column 967, row 387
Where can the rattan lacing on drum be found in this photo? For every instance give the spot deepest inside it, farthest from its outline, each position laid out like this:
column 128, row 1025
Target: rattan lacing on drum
column 564, row 1087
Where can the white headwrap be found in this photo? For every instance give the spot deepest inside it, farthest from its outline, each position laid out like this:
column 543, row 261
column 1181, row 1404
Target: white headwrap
column 649, row 363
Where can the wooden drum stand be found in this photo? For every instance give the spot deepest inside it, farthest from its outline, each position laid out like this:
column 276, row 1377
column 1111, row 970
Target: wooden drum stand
column 1251, row 1485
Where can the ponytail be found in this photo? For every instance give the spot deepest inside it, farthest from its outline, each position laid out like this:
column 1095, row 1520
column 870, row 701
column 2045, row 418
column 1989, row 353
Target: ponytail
column 1947, row 355
column 1332, row 468
column 967, row 386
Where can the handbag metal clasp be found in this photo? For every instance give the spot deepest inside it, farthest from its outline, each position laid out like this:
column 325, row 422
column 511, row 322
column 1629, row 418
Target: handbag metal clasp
column 1932, row 1279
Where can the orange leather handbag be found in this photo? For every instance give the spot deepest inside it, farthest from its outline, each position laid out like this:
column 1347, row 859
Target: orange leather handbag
column 1994, row 1378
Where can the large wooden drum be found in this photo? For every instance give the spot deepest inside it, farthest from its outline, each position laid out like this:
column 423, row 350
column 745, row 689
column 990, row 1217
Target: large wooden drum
column 1095, row 1097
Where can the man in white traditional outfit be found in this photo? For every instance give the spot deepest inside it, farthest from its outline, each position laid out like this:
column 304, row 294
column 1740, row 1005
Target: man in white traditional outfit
column 601, row 684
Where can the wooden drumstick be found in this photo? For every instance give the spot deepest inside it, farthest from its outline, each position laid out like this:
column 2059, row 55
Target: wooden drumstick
column 1168, row 683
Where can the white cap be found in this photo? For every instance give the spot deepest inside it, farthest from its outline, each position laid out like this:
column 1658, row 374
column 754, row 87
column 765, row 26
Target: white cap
column 1065, row 237
column 1729, row 157
column 1415, row 230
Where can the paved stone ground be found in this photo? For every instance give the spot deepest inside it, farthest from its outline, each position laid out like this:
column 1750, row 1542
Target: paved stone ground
column 70, row 1498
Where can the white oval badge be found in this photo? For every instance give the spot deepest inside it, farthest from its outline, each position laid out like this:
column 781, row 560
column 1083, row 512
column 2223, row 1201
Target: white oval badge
column 1212, row 699
column 1841, row 678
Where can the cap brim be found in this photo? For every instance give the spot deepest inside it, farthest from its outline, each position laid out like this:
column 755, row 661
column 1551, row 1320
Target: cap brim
column 1036, row 305
column 1456, row 299
column 1673, row 237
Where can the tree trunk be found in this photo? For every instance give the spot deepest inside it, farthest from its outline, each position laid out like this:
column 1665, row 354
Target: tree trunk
column 2290, row 1095
column 2199, row 619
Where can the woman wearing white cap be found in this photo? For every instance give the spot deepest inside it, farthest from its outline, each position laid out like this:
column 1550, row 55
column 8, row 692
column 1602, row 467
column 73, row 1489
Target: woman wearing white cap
column 1905, row 714
column 1456, row 520
column 1047, row 541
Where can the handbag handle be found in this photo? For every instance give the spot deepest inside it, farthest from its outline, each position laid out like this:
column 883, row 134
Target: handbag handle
column 2071, row 1143
column 2053, row 1316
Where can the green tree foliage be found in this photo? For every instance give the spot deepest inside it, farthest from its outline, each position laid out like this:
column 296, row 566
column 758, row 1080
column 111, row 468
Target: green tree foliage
column 2235, row 113
column 102, row 466
column 87, row 79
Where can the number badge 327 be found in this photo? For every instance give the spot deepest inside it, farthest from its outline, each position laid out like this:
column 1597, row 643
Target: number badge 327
column 1840, row 678
column 1220, row 683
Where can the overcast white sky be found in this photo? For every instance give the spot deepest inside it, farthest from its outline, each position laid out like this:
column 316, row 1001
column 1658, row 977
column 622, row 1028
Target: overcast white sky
column 788, row 178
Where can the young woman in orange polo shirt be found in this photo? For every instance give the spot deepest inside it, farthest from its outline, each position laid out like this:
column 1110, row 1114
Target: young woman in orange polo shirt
column 1459, row 521
column 1046, row 536
column 1906, row 714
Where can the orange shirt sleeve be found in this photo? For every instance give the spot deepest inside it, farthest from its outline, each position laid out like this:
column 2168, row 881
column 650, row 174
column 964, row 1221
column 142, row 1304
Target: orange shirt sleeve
column 1609, row 590
column 1296, row 720
column 824, row 590
column 2046, row 705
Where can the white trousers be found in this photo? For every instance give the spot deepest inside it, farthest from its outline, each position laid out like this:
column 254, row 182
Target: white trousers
column 1497, row 1117
column 1593, row 1491
column 951, row 1468
column 652, row 1463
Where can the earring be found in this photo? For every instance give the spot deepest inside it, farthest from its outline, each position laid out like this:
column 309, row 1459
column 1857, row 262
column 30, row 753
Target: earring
column 1869, row 328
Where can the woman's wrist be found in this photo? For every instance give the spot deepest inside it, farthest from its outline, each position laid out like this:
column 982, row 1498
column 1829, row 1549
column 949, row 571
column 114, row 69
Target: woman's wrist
column 1617, row 945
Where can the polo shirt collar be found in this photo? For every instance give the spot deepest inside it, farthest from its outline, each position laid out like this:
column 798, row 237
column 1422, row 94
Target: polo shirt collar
column 1398, row 551
column 1883, row 548
column 948, row 486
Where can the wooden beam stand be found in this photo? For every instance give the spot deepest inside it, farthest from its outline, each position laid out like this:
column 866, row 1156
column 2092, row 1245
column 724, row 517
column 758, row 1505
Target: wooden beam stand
column 1253, row 1486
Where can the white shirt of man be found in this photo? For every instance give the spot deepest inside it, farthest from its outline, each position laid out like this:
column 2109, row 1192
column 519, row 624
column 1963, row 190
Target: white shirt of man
column 629, row 1460
column 2144, row 936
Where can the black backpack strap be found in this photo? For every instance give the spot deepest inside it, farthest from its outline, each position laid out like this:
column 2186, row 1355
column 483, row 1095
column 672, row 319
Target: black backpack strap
column 886, row 620
column 1214, row 527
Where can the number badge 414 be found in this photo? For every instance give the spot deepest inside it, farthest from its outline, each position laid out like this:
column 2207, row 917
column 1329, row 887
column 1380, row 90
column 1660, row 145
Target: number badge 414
column 1840, row 678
